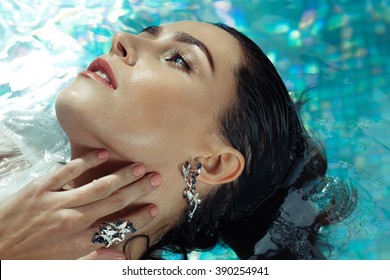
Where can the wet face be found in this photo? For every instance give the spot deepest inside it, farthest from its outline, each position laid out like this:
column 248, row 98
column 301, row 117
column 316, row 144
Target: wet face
column 156, row 97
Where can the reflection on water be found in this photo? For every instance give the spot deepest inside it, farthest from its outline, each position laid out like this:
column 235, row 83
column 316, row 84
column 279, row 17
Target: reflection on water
column 337, row 52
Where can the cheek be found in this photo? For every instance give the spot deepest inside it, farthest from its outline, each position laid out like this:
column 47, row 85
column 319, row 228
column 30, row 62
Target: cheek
column 155, row 101
column 156, row 116
column 161, row 117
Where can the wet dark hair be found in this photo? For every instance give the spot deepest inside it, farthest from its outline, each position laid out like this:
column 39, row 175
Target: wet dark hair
column 266, row 212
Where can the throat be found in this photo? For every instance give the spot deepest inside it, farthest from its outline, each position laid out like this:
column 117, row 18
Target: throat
column 107, row 168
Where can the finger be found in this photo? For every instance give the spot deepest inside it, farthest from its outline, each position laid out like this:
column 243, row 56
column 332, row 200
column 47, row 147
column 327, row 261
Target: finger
column 103, row 187
column 121, row 198
column 139, row 217
column 74, row 169
column 105, row 254
column 137, row 220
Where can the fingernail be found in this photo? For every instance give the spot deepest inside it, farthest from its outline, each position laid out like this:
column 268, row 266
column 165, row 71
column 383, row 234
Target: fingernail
column 138, row 170
column 153, row 211
column 155, row 180
column 103, row 154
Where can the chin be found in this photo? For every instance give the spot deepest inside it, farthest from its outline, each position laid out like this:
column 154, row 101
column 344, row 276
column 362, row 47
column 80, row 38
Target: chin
column 71, row 116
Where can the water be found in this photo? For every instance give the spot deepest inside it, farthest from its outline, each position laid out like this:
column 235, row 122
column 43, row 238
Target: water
column 336, row 51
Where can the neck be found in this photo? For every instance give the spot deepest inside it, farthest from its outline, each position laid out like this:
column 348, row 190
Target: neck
column 95, row 173
column 171, row 191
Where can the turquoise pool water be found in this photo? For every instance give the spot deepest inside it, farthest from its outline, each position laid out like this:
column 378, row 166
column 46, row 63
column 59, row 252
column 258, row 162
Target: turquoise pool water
column 338, row 52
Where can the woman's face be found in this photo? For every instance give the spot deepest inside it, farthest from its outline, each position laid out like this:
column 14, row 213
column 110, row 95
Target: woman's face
column 167, row 88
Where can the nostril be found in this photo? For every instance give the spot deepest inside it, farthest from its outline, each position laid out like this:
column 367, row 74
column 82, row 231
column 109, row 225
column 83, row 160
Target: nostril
column 121, row 49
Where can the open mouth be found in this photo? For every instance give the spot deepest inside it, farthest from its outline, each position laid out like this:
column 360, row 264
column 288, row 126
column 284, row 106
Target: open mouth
column 101, row 70
column 104, row 76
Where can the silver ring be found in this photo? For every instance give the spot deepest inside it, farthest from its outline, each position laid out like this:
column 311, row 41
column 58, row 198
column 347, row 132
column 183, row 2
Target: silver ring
column 113, row 233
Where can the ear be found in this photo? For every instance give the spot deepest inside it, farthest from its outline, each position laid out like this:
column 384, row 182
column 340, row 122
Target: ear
column 221, row 168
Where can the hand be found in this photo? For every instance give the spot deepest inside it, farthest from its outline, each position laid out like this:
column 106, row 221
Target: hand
column 105, row 254
column 42, row 221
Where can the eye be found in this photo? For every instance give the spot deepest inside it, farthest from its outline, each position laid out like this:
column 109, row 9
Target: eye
column 179, row 59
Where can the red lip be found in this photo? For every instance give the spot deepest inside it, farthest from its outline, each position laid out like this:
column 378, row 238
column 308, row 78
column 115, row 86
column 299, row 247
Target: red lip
column 100, row 64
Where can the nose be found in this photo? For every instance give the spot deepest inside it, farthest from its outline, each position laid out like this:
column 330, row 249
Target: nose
column 124, row 46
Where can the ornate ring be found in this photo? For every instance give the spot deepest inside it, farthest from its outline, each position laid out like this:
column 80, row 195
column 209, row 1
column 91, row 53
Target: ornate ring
column 112, row 233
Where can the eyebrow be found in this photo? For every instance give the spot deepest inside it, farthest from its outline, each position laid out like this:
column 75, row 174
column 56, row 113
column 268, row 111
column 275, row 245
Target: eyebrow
column 182, row 37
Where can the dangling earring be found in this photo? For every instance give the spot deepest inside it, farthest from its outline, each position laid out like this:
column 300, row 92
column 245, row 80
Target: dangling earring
column 192, row 196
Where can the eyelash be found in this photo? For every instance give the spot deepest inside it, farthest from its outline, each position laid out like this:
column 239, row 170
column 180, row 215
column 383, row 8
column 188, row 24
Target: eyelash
column 177, row 54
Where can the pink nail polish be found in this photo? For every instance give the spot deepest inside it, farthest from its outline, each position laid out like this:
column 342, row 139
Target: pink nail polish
column 138, row 170
column 103, row 154
column 153, row 211
column 155, row 180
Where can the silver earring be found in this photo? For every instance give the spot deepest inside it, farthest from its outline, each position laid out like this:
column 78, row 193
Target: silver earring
column 189, row 193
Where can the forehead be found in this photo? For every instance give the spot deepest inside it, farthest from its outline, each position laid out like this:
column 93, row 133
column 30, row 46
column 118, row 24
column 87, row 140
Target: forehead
column 223, row 47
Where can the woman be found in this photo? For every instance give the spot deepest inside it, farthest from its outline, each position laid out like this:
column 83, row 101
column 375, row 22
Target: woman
column 187, row 100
